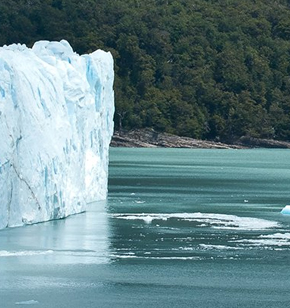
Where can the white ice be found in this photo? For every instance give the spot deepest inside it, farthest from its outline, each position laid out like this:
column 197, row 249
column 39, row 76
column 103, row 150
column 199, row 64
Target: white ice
column 286, row 210
column 56, row 122
column 30, row 302
column 217, row 221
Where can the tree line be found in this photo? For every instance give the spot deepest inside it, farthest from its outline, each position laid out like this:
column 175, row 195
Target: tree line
column 209, row 69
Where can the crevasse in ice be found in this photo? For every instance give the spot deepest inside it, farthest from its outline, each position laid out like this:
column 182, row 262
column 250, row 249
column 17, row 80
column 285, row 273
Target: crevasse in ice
column 56, row 123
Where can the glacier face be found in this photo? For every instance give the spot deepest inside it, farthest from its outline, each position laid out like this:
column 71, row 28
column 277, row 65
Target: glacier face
column 56, row 123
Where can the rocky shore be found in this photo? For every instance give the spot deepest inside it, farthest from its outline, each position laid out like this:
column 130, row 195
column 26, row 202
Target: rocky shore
column 149, row 138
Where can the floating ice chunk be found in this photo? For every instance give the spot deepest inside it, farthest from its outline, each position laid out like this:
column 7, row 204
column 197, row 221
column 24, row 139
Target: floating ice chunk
column 286, row 210
column 148, row 219
column 30, row 302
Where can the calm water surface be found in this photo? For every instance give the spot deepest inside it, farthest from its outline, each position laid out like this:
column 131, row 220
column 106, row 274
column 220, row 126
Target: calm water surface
column 181, row 228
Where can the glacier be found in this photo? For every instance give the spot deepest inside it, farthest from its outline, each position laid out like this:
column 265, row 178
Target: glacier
column 56, row 123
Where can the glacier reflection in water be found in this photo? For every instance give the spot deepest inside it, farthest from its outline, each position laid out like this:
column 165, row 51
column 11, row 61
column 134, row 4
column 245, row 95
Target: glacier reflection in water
column 78, row 239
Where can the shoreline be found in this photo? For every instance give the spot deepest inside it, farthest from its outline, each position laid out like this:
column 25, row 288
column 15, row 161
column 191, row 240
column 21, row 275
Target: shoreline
column 149, row 138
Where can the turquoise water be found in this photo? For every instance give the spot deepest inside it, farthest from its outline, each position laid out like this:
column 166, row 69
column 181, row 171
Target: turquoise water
column 199, row 204
column 181, row 228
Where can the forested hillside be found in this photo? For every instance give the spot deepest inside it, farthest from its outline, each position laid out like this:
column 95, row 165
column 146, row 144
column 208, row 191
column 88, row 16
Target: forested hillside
column 211, row 69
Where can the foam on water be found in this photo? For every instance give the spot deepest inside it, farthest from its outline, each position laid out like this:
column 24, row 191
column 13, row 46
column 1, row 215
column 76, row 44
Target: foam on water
column 157, row 258
column 217, row 221
column 283, row 236
column 273, row 240
column 219, row 247
column 30, row 302
column 24, row 253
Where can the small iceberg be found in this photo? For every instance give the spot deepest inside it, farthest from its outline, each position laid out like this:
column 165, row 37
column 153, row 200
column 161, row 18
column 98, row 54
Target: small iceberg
column 286, row 210
column 31, row 302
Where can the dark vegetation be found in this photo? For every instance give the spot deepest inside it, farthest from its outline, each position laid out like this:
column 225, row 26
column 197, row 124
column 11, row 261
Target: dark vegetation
column 210, row 69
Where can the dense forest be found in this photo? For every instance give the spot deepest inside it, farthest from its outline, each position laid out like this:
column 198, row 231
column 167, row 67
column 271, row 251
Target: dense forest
column 209, row 69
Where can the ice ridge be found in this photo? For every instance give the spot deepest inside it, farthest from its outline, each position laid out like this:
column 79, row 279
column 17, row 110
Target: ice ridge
column 56, row 123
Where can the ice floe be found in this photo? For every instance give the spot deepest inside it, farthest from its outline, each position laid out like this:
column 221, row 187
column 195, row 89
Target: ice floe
column 213, row 220
column 286, row 210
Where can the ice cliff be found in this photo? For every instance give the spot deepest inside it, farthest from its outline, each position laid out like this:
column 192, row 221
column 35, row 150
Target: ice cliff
column 56, row 123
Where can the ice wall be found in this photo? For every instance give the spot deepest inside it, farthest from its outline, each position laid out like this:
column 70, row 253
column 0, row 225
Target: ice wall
column 56, row 123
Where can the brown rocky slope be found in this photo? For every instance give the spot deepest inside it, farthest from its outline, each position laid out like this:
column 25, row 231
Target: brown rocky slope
column 151, row 138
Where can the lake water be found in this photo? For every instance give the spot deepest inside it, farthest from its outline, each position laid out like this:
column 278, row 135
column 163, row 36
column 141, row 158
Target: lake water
column 180, row 228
